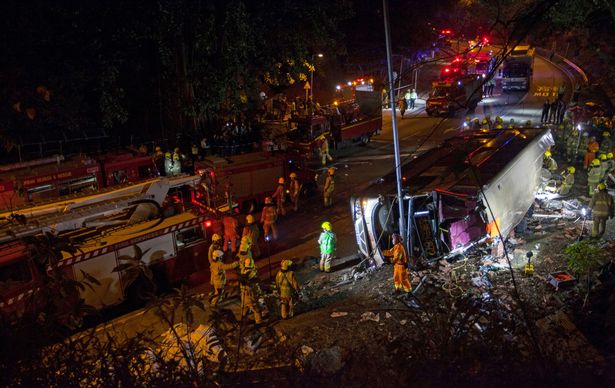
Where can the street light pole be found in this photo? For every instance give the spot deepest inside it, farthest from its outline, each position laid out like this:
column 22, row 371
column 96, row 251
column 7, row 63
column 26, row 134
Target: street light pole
column 400, row 198
column 319, row 55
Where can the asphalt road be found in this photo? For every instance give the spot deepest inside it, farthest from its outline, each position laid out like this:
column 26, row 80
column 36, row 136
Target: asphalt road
column 357, row 167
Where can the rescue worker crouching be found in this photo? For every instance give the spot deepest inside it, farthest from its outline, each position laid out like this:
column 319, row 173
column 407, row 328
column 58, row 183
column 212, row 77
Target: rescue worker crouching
column 218, row 276
column 549, row 163
column 399, row 259
column 602, row 209
column 568, row 181
column 288, row 288
column 326, row 241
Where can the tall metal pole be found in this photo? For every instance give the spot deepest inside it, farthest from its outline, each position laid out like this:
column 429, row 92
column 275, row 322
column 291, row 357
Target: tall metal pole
column 400, row 202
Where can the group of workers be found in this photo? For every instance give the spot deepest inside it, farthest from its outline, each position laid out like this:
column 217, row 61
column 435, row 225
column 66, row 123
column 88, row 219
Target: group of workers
column 487, row 123
column 587, row 144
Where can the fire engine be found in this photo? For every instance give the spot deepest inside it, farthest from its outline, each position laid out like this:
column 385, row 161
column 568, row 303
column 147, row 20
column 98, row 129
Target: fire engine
column 448, row 96
column 354, row 117
column 46, row 179
column 155, row 222
column 245, row 180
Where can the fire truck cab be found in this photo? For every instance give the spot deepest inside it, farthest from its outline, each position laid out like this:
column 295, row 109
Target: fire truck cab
column 448, row 96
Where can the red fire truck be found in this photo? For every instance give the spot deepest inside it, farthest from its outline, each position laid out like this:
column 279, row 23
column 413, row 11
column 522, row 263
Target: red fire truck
column 448, row 96
column 248, row 178
column 50, row 178
column 171, row 240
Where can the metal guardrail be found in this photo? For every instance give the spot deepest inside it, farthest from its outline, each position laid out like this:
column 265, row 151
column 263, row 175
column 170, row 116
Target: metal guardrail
column 576, row 74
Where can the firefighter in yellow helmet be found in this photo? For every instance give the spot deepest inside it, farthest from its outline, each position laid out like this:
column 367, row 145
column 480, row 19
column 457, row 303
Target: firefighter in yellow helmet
column 294, row 191
column 567, row 182
column 594, row 174
column 288, row 288
column 251, row 231
column 611, row 163
column 327, row 242
column 216, row 244
column 549, row 163
column 606, row 145
column 269, row 216
column 280, row 197
column 329, row 187
column 249, row 288
column 218, row 276
column 399, row 259
column 604, row 165
column 324, row 151
column 602, row 209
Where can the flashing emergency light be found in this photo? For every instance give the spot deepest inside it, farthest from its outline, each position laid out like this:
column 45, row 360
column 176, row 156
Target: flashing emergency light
column 459, row 83
column 338, row 87
column 447, row 70
column 371, row 80
column 485, row 40
column 207, row 224
column 349, row 83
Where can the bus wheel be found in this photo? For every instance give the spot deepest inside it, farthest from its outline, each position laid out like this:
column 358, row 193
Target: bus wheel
column 364, row 140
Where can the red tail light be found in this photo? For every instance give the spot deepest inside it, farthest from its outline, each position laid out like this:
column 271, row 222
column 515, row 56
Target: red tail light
column 207, row 224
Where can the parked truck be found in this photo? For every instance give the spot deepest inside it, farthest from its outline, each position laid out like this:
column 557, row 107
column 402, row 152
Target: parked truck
column 450, row 192
column 453, row 94
column 517, row 69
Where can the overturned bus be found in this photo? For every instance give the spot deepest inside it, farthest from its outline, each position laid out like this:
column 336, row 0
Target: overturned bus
column 469, row 187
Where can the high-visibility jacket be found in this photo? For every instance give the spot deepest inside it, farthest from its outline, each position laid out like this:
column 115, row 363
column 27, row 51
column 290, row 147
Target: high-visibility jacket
column 413, row 95
column 269, row 215
column 327, row 242
column 218, row 272
column 279, row 194
column 606, row 145
column 295, row 186
column 593, row 147
column 604, row 168
column 397, row 254
column 602, row 204
column 329, row 184
column 230, row 226
column 286, row 283
column 252, row 232
column 594, row 175
column 210, row 254
column 550, row 164
column 247, row 266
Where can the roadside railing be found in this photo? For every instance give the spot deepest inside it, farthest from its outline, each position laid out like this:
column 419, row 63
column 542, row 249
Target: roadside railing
column 576, row 74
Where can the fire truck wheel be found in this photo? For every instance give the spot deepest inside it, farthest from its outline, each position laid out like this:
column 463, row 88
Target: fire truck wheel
column 248, row 207
column 364, row 140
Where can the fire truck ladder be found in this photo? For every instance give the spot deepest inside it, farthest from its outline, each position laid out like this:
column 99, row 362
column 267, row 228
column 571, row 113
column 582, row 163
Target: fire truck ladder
column 77, row 215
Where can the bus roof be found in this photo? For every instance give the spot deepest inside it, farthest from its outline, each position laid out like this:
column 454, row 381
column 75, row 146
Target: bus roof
column 444, row 168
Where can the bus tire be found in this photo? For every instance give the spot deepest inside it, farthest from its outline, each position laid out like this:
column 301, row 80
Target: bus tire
column 364, row 139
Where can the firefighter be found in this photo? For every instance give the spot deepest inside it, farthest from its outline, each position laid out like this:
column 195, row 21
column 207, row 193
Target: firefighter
column 604, row 166
column 590, row 153
column 583, row 145
column 194, row 151
column 168, row 164
column 607, row 144
column 230, row 232
column 611, row 164
column 326, row 241
column 602, row 208
column 571, row 146
column 280, row 197
column 251, row 231
column 249, row 288
column 288, row 288
column 594, row 174
column 549, row 163
column 567, row 182
column 324, row 151
column 218, row 276
column 329, row 187
column 295, row 190
column 399, row 259
column 413, row 97
column 269, row 216
column 216, row 244
column 484, row 125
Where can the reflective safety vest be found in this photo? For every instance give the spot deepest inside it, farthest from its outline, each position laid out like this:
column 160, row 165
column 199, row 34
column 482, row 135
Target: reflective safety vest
column 269, row 214
column 329, row 184
column 327, row 242
column 247, row 266
column 601, row 204
column 398, row 254
column 286, row 283
column 294, row 187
